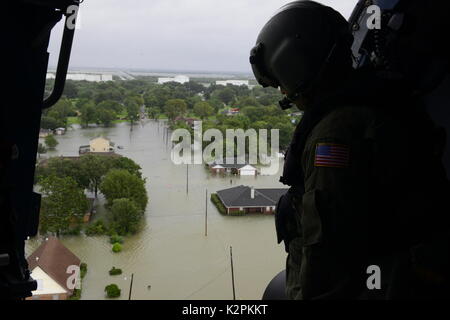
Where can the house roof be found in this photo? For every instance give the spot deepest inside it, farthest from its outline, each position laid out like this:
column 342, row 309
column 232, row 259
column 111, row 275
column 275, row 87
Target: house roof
column 54, row 258
column 240, row 196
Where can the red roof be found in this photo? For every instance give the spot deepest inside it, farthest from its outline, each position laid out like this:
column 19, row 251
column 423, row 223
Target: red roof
column 53, row 259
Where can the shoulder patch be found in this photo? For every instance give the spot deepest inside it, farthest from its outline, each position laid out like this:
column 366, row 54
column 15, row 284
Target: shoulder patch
column 332, row 155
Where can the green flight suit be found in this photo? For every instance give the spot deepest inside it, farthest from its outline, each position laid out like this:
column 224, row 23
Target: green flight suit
column 363, row 204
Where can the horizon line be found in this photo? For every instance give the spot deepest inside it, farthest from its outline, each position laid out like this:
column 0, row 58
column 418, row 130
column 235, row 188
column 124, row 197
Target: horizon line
column 149, row 70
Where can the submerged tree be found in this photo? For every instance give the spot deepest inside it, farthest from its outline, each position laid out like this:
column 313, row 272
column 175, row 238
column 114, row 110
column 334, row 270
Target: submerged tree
column 203, row 109
column 175, row 108
column 51, row 142
column 125, row 216
column 119, row 183
column 63, row 204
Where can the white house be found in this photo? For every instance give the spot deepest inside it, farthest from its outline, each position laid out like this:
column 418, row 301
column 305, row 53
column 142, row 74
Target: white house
column 232, row 166
column 60, row 131
column 247, row 170
column 51, row 266
column 78, row 76
column 233, row 82
column 180, row 79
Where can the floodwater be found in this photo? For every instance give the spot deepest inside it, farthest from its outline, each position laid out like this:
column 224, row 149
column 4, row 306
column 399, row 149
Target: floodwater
column 171, row 258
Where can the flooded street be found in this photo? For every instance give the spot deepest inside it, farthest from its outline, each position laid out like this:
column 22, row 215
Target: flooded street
column 171, row 258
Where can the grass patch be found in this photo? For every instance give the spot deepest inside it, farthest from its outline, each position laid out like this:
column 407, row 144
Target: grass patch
column 73, row 120
column 120, row 120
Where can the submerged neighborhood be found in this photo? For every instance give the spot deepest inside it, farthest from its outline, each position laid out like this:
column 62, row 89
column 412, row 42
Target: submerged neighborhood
column 104, row 157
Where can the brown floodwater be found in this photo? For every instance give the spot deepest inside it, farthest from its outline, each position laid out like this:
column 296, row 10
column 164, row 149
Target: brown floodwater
column 171, row 258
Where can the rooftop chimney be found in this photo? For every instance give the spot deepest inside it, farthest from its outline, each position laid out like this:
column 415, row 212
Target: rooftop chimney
column 252, row 192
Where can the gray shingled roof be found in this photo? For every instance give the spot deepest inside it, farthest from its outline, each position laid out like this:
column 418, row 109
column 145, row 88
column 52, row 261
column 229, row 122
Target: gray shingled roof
column 240, row 196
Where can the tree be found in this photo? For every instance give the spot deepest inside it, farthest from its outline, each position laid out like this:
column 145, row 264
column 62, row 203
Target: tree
column 41, row 149
column 153, row 112
column 157, row 96
column 203, row 109
column 134, row 98
column 247, row 101
column 191, row 101
column 50, row 123
column 126, row 164
column 132, row 111
column 285, row 133
column 110, row 105
column 70, row 89
column 115, row 271
column 63, row 204
column 117, row 247
column 119, row 183
column 61, row 167
column 216, row 104
column 105, row 116
column 61, row 110
column 194, row 87
column 125, row 216
column 151, row 100
column 175, row 108
column 225, row 95
column 112, row 291
column 88, row 114
column 94, row 167
column 253, row 113
column 51, row 142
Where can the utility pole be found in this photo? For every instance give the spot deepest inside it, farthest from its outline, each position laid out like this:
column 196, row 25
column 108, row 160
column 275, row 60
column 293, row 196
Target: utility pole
column 131, row 286
column 206, row 213
column 232, row 273
column 167, row 139
column 187, row 178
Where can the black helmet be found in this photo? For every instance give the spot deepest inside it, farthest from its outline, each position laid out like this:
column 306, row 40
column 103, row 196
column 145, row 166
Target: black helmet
column 294, row 46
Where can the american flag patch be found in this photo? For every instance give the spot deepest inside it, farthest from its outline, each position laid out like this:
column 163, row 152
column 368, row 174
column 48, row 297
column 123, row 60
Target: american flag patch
column 332, row 155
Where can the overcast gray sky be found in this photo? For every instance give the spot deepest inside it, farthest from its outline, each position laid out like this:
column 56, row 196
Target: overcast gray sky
column 189, row 35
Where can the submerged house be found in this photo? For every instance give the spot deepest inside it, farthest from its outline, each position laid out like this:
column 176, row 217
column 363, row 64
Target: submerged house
column 44, row 133
column 60, row 131
column 51, row 265
column 232, row 166
column 250, row 200
column 97, row 145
